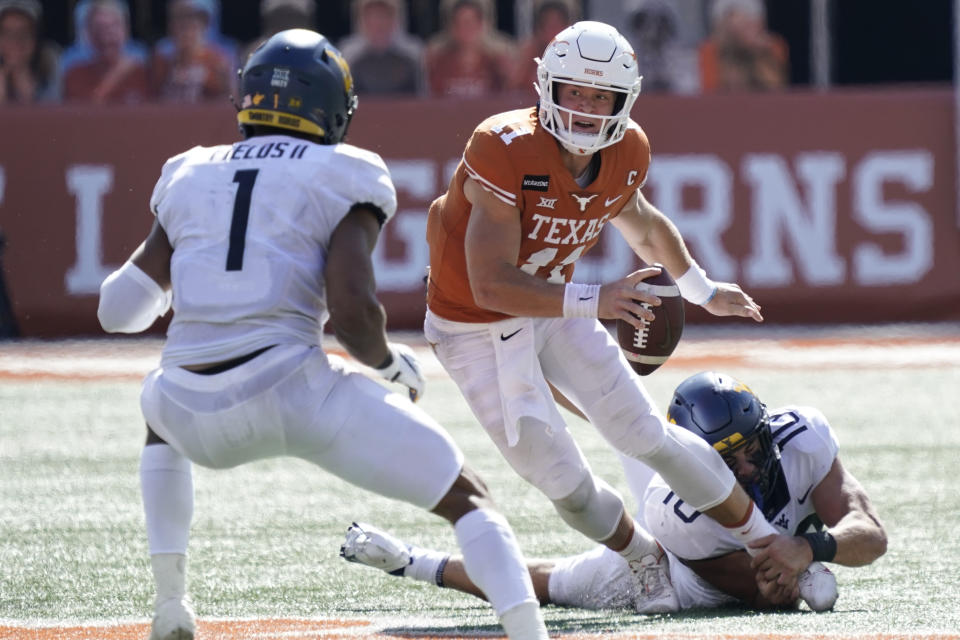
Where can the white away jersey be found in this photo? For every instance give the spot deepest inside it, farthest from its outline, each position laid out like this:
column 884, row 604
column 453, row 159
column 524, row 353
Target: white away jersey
column 808, row 447
column 250, row 224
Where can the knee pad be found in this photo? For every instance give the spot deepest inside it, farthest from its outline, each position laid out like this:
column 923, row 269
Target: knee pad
column 594, row 508
column 692, row 468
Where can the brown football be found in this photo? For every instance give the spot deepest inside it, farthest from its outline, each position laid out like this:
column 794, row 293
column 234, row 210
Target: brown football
column 648, row 348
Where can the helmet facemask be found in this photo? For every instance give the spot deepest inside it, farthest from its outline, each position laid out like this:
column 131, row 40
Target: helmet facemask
column 730, row 417
column 766, row 459
column 592, row 55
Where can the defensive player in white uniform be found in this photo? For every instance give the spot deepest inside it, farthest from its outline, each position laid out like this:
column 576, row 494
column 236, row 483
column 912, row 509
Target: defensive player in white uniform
column 257, row 244
column 787, row 460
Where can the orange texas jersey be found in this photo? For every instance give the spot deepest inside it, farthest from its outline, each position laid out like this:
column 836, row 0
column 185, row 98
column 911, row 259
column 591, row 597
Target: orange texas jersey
column 514, row 158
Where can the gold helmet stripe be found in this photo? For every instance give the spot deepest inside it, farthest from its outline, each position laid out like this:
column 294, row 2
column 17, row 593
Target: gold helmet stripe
column 278, row 119
column 730, row 443
column 344, row 68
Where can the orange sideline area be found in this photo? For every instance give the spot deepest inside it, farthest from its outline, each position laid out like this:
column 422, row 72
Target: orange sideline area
column 129, row 359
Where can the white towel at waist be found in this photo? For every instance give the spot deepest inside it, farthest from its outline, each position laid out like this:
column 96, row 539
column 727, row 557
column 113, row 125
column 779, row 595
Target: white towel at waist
column 524, row 392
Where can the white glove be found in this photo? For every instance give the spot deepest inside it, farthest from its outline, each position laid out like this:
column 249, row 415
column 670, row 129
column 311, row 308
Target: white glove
column 404, row 368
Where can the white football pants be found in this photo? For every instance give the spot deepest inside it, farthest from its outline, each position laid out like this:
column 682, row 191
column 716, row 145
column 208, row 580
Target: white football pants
column 293, row 400
column 601, row 579
column 509, row 395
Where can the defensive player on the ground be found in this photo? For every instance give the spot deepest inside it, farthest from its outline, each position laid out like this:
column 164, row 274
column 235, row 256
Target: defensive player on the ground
column 260, row 242
column 786, row 459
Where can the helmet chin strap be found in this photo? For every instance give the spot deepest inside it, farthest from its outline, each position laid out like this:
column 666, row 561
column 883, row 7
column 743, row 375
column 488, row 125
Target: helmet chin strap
column 569, row 139
column 575, row 150
column 589, row 139
column 579, row 143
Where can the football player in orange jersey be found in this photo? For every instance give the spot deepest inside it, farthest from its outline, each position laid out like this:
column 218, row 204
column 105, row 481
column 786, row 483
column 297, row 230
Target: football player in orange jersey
column 529, row 198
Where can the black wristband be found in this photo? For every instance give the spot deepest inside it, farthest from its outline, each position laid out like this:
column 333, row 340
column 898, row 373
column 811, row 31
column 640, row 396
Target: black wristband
column 823, row 545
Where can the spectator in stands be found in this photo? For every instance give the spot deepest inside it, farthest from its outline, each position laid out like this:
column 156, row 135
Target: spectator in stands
column 550, row 18
column 280, row 15
column 28, row 66
column 384, row 59
column 111, row 73
column 188, row 67
column 468, row 58
column 80, row 51
column 741, row 54
column 653, row 28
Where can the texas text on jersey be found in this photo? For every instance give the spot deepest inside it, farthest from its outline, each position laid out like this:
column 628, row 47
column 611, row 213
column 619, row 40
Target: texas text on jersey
column 560, row 219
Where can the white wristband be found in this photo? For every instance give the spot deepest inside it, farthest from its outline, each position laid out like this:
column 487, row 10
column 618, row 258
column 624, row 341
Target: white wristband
column 581, row 300
column 695, row 286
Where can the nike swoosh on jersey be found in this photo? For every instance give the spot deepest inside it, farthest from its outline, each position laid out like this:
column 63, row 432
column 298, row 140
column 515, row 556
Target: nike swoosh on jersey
column 609, row 201
column 587, row 298
column 806, row 493
column 503, row 337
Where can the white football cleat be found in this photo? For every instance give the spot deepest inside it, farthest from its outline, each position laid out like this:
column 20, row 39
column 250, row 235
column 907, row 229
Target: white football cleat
column 173, row 619
column 654, row 591
column 376, row 548
column 818, row 587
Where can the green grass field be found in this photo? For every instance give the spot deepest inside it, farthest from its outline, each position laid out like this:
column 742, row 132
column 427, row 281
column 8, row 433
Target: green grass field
column 266, row 536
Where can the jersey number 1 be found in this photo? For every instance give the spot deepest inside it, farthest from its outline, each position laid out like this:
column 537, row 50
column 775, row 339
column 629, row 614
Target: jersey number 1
column 241, row 211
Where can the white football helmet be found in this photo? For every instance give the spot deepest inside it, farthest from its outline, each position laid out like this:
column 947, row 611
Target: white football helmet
column 589, row 54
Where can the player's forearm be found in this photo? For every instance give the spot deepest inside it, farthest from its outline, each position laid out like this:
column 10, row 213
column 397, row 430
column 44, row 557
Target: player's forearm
column 653, row 237
column 360, row 329
column 664, row 245
column 509, row 290
column 860, row 540
column 130, row 300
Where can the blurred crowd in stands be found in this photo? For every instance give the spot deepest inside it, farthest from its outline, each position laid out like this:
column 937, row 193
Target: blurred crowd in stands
column 466, row 57
column 683, row 46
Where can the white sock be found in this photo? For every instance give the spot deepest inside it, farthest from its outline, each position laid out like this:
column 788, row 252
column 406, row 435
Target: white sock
column 524, row 622
column 166, row 485
column 751, row 528
column 641, row 544
column 426, row 565
column 170, row 575
column 492, row 559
